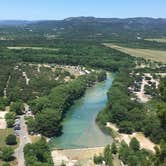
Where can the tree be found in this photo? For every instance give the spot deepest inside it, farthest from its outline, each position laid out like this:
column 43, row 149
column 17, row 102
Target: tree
column 161, row 153
column 108, row 155
column 98, row 159
column 114, row 148
column 17, row 107
column 126, row 127
column 134, row 144
column 38, row 153
column 10, row 118
column 7, row 153
column 11, row 140
column 31, row 124
column 48, row 122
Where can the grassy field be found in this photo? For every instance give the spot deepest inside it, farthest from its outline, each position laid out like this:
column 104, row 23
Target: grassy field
column 3, row 134
column 160, row 40
column 33, row 48
column 154, row 55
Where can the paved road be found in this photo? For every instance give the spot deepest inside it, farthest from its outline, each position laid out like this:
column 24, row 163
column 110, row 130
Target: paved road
column 24, row 139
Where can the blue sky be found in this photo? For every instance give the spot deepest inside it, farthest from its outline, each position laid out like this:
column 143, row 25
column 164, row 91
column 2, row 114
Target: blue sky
column 59, row 9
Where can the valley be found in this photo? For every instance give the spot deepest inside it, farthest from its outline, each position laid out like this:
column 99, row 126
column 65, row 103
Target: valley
column 68, row 99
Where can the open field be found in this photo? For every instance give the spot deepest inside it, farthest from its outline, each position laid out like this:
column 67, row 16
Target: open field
column 154, row 55
column 160, row 40
column 33, row 48
column 3, row 134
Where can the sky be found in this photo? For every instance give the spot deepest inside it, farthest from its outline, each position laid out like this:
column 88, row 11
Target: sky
column 60, row 9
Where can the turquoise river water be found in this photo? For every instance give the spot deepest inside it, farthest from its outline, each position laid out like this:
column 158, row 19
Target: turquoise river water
column 79, row 127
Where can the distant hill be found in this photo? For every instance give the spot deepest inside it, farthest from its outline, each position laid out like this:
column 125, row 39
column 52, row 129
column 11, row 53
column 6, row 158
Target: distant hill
column 85, row 26
column 91, row 27
column 14, row 22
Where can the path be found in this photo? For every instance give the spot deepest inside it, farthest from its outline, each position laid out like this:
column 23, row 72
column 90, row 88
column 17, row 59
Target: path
column 5, row 89
column 24, row 139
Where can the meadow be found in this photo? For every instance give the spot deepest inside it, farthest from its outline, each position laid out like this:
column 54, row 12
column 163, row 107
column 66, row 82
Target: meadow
column 148, row 54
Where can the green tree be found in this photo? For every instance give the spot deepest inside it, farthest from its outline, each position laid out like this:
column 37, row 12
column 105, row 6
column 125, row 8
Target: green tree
column 48, row 122
column 108, row 155
column 11, row 140
column 134, row 144
column 7, row 153
column 98, row 159
column 10, row 118
column 17, row 107
column 114, row 148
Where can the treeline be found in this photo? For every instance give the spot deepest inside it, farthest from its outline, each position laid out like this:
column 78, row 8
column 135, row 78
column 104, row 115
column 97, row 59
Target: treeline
column 131, row 116
column 133, row 155
column 75, row 53
column 50, row 110
column 5, row 69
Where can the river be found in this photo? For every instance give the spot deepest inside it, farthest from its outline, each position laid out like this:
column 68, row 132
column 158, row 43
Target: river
column 79, row 127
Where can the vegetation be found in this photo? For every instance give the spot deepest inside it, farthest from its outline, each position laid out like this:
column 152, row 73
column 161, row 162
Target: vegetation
column 114, row 149
column 130, row 115
column 75, row 43
column 10, row 119
column 4, row 133
column 98, row 159
column 3, row 103
column 133, row 156
column 38, row 154
column 17, row 107
column 7, row 154
column 11, row 140
column 148, row 54
column 49, row 110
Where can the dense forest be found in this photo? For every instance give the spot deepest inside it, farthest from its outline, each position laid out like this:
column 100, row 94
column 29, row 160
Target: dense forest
column 50, row 110
column 130, row 115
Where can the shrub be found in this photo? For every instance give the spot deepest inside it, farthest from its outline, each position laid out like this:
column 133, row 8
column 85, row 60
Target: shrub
column 11, row 140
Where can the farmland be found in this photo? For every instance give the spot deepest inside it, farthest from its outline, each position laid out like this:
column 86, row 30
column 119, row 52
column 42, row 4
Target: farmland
column 148, row 54
column 159, row 40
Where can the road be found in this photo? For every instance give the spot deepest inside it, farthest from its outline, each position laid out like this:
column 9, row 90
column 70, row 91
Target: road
column 24, row 139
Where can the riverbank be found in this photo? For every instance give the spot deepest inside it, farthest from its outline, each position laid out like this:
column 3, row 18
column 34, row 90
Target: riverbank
column 70, row 157
column 83, row 157
column 145, row 143
column 79, row 125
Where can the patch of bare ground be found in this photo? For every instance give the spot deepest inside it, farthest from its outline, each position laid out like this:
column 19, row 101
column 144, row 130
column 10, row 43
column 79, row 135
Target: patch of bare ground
column 3, row 123
column 72, row 156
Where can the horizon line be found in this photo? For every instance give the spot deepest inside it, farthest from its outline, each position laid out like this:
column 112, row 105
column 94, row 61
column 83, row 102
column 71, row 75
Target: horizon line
column 80, row 17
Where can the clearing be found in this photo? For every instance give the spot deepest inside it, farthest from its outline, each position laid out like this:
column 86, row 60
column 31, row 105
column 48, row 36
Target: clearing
column 83, row 157
column 33, row 48
column 159, row 40
column 3, row 124
column 154, row 55
column 145, row 142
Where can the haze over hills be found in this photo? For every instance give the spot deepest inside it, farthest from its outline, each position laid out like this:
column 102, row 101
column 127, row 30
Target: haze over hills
column 143, row 20
column 88, row 28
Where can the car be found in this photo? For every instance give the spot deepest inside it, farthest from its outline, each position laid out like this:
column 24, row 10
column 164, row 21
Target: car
column 16, row 132
column 17, row 127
